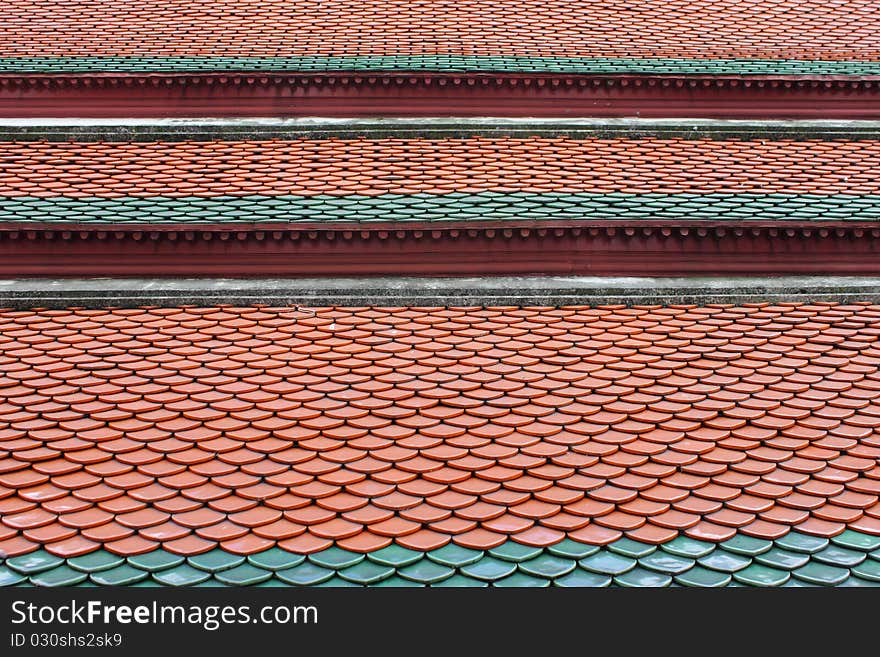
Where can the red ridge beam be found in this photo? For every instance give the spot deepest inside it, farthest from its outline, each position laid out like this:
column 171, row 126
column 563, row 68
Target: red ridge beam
column 430, row 94
column 377, row 250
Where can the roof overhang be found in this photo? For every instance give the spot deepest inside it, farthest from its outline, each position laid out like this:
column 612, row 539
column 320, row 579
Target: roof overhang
column 347, row 94
column 641, row 245
column 453, row 249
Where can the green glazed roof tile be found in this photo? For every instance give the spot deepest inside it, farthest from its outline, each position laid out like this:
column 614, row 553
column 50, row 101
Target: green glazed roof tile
column 336, row 558
column 521, row 580
column 215, row 560
column 725, row 562
column 779, row 558
column 663, row 562
column 243, row 575
column 305, row 574
column 426, row 571
column 442, row 62
column 834, row 555
column 857, row 541
column 336, row 582
column 747, row 545
column 210, row 583
column 821, row 574
column 60, row 576
column 147, row 583
column 758, row 575
column 275, row 559
column 366, row 573
column 156, row 560
column 583, row 579
column 854, row 581
column 703, row 577
column 512, row 551
column 630, row 548
column 869, row 570
column 274, row 582
column 548, row 566
column 454, row 556
column 569, row 549
column 441, row 207
column 394, row 555
column 9, row 577
column 682, row 546
column 86, row 584
column 607, row 563
column 750, row 562
column 34, row 562
column 797, row 542
column 183, row 575
column 123, row 575
column 640, row 577
column 396, row 582
column 96, row 561
column 489, row 569
column 461, row 581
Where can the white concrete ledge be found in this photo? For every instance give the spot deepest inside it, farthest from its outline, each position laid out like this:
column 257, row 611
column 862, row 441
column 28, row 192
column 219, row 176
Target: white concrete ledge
column 488, row 291
column 209, row 128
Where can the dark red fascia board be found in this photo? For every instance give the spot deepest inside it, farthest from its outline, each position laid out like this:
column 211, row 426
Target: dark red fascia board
column 607, row 249
column 341, row 94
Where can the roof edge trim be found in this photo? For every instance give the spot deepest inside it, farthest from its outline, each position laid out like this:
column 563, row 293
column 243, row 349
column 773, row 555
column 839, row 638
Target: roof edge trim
column 519, row 248
column 436, row 78
column 248, row 128
column 432, row 94
column 425, row 291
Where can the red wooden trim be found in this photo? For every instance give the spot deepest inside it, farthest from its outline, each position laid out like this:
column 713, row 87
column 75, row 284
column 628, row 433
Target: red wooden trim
column 421, row 94
column 428, row 250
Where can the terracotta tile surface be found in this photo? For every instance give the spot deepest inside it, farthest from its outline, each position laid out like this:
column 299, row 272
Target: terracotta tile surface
column 474, row 179
column 405, row 31
column 371, row 167
column 273, row 433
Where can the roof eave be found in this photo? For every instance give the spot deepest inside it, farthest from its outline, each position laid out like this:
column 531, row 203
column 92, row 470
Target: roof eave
column 352, row 94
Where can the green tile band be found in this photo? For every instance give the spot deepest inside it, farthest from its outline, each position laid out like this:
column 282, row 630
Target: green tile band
column 485, row 206
column 437, row 63
column 850, row 559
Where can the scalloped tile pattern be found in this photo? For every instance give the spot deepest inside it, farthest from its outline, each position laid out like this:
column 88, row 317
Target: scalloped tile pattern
column 480, row 208
column 378, row 167
column 502, row 33
column 799, row 560
column 441, row 64
column 479, row 179
column 218, row 433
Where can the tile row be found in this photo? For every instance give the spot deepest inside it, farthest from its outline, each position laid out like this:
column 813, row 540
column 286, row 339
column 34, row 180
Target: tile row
column 517, row 208
column 443, row 65
column 709, row 29
column 797, row 560
column 549, row 172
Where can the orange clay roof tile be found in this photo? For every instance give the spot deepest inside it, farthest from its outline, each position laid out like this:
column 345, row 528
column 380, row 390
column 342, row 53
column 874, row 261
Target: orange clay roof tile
column 310, row 167
column 406, row 31
column 468, row 485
